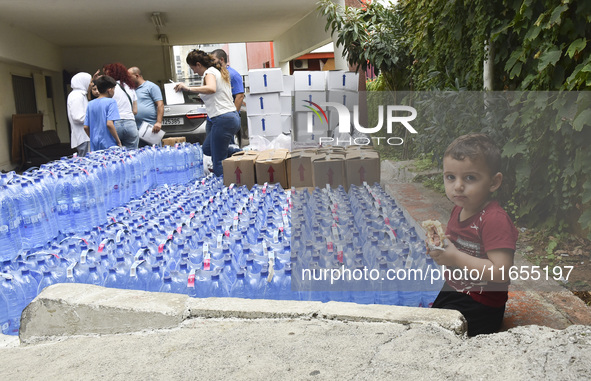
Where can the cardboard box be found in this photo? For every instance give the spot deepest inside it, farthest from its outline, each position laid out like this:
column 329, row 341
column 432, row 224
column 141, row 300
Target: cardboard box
column 286, row 104
column 300, row 169
column 262, row 104
column 362, row 165
column 270, row 167
column 301, row 122
column 239, row 169
column 349, row 99
column 331, row 149
column 310, row 80
column 301, row 99
column 265, row 80
column 342, row 80
column 286, row 124
column 329, row 169
column 265, row 125
column 288, row 85
column 173, row 141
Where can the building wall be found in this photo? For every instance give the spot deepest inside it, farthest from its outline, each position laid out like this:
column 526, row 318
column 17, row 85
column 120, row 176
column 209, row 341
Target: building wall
column 150, row 59
column 259, row 53
column 24, row 54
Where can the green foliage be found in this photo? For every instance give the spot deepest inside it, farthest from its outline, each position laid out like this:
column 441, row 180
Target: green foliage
column 424, row 163
column 435, row 183
column 447, row 41
column 378, row 84
column 543, row 45
column 538, row 45
column 372, row 35
column 547, row 157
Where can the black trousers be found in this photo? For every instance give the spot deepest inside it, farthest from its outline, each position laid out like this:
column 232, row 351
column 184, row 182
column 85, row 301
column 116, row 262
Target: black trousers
column 481, row 319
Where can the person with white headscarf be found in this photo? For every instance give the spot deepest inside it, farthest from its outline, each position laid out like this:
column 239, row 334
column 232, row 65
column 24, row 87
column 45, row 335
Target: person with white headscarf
column 77, row 103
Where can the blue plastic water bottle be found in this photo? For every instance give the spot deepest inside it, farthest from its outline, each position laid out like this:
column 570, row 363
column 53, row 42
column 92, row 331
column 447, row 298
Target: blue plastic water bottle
column 15, row 301
column 10, row 237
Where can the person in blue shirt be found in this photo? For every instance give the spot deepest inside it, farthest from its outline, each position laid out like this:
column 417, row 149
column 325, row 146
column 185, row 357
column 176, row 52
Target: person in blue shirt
column 100, row 116
column 150, row 105
column 235, row 78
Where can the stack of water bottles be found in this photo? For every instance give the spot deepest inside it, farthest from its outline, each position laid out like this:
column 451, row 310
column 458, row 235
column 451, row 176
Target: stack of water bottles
column 150, row 220
column 44, row 207
column 358, row 247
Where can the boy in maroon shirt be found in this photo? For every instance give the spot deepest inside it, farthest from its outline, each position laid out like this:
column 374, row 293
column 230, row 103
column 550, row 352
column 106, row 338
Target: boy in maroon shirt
column 482, row 236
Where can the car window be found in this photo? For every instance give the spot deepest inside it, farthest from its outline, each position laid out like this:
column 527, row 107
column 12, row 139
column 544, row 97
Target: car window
column 192, row 98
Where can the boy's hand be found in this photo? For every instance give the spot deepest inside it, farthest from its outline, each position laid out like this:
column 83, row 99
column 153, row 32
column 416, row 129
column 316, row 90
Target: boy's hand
column 445, row 257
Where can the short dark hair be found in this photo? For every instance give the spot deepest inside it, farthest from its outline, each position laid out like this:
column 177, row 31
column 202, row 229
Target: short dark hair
column 476, row 147
column 104, row 83
column 221, row 54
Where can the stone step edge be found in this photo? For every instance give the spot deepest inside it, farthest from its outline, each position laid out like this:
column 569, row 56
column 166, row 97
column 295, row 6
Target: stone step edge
column 66, row 309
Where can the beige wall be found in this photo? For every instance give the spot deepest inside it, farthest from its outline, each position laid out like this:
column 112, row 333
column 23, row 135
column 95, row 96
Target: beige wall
column 27, row 55
column 302, row 38
column 150, row 59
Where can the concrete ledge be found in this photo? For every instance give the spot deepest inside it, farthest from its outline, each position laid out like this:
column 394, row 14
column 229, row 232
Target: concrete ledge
column 78, row 309
column 252, row 308
column 449, row 319
column 285, row 309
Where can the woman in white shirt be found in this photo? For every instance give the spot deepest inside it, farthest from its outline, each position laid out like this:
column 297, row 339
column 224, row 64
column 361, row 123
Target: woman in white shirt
column 126, row 104
column 216, row 93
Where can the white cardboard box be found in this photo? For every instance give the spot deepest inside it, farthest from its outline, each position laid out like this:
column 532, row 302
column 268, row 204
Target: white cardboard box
column 310, row 80
column 286, row 123
column 265, row 125
column 261, row 104
column 344, row 97
column 265, row 80
column 342, row 80
column 288, row 85
column 286, row 104
column 319, row 128
column 302, row 99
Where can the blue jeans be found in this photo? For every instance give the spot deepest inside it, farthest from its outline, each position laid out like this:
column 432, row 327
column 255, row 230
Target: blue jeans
column 127, row 131
column 217, row 140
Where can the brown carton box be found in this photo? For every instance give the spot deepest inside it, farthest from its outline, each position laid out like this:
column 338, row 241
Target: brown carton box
column 362, row 165
column 173, row 141
column 299, row 168
column 239, row 169
column 270, row 167
column 329, row 169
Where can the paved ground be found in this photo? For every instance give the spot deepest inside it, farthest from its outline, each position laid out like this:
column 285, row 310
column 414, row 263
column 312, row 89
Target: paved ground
column 93, row 333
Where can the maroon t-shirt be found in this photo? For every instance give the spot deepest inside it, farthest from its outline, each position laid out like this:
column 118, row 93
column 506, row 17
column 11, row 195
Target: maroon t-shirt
column 487, row 230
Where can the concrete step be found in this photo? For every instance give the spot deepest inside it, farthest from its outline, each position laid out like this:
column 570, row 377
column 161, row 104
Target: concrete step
column 78, row 309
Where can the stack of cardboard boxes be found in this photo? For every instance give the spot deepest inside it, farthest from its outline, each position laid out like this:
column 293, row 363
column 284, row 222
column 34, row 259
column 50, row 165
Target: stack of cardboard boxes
column 269, row 103
column 277, row 102
column 332, row 166
column 315, row 88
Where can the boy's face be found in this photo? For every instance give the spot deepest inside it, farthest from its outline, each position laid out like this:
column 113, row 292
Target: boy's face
column 468, row 183
column 111, row 92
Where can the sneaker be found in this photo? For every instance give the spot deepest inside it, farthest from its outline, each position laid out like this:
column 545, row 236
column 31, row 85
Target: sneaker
column 233, row 148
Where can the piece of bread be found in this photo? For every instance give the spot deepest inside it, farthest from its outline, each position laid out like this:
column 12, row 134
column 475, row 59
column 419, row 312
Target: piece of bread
column 435, row 233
